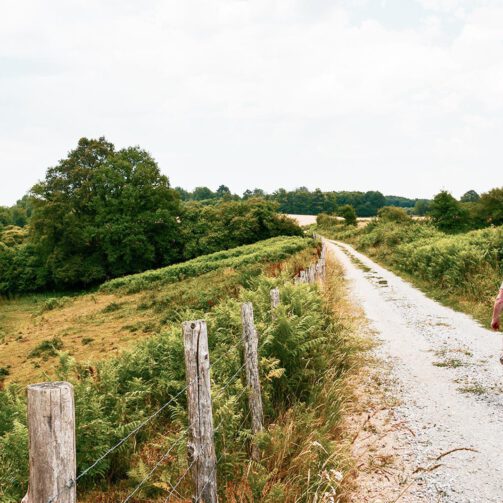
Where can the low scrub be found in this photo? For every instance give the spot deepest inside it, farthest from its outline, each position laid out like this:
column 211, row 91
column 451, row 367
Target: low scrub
column 269, row 250
column 463, row 269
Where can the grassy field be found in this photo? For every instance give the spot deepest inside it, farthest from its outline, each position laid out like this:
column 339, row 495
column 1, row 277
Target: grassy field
column 97, row 325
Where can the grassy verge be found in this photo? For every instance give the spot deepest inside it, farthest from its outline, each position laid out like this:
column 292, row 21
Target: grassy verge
column 462, row 271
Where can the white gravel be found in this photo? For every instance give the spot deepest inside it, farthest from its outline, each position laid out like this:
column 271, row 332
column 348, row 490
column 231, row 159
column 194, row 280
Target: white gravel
column 455, row 406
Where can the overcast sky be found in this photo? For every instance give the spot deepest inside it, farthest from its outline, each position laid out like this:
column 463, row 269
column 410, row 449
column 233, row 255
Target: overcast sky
column 401, row 96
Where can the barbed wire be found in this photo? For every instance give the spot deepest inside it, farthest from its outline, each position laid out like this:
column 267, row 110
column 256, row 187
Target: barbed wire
column 144, row 423
column 198, row 496
column 163, row 457
column 131, row 433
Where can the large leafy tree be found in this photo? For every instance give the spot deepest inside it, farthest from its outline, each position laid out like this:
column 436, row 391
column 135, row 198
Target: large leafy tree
column 448, row 214
column 470, row 197
column 490, row 207
column 103, row 212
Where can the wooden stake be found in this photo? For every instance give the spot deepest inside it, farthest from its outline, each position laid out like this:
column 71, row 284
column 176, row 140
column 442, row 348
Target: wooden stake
column 201, row 447
column 51, row 429
column 250, row 343
column 274, row 298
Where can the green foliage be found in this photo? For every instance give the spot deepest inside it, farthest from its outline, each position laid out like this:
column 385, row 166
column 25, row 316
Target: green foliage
column 470, row 197
column 272, row 249
column 421, row 207
column 101, row 213
column 47, row 348
column 209, row 228
column 393, row 214
column 465, row 267
column 17, row 215
column 304, row 201
column 490, row 207
column 53, row 303
column 331, row 226
column 348, row 213
column 448, row 214
column 297, row 346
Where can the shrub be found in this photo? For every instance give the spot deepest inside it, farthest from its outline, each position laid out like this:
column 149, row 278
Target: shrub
column 393, row 214
column 47, row 348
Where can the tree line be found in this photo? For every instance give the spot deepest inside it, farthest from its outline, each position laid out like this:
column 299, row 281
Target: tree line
column 102, row 213
column 302, row 201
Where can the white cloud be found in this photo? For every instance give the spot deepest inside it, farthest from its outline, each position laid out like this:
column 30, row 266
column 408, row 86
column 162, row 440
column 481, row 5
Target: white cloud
column 256, row 93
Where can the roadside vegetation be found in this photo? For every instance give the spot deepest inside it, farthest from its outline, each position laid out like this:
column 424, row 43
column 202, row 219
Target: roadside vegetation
column 306, row 351
column 462, row 268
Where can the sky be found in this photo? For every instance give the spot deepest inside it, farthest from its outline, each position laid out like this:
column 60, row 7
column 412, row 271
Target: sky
column 401, row 96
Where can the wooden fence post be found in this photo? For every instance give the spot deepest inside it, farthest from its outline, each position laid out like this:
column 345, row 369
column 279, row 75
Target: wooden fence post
column 51, row 431
column 274, row 298
column 250, row 343
column 201, row 447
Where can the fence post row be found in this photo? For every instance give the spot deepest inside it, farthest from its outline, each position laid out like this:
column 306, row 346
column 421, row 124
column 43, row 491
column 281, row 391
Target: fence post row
column 51, row 418
column 250, row 344
column 201, row 447
column 51, row 430
column 314, row 272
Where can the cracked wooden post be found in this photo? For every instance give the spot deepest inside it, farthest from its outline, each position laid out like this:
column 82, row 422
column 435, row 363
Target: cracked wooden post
column 250, row 343
column 201, row 447
column 51, row 432
column 274, row 299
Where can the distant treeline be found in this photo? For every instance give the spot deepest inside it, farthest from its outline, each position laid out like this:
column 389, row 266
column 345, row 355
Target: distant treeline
column 302, row 201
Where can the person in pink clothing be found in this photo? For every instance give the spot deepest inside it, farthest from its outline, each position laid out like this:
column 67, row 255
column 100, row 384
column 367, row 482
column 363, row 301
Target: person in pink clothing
column 497, row 310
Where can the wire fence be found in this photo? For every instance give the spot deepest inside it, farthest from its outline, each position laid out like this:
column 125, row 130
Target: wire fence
column 312, row 274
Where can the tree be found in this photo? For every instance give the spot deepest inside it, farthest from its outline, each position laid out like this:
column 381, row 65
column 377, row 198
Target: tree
column 490, row 207
column 210, row 228
column 448, row 214
column 393, row 214
column 223, row 192
column 101, row 213
column 470, row 197
column 372, row 202
column 421, row 207
column 202, row 194
column 183, row 194
column 348, row 213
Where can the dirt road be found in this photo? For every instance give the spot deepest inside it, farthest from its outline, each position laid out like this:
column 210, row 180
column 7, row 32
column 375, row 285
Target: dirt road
column 448, row 384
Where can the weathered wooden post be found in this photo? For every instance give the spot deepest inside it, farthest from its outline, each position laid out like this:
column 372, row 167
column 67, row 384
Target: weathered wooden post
column 201, row 447
column 51, row 431
column 250, row 343
column 274, row 298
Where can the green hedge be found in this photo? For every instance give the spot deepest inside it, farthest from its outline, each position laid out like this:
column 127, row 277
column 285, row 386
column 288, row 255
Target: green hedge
column 269, row 250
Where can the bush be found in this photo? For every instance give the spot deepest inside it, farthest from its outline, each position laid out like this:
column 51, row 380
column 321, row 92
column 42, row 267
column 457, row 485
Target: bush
column 393, row 214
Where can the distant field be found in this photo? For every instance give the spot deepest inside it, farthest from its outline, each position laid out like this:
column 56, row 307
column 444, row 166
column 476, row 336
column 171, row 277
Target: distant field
column 304, row 219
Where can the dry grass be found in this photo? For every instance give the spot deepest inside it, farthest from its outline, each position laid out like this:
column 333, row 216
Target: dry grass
column 96, row 326
column 87, row 333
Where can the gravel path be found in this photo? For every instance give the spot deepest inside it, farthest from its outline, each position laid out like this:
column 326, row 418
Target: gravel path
column 449, row 384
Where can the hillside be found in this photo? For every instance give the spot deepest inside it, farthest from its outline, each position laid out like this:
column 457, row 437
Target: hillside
column 97, row 325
